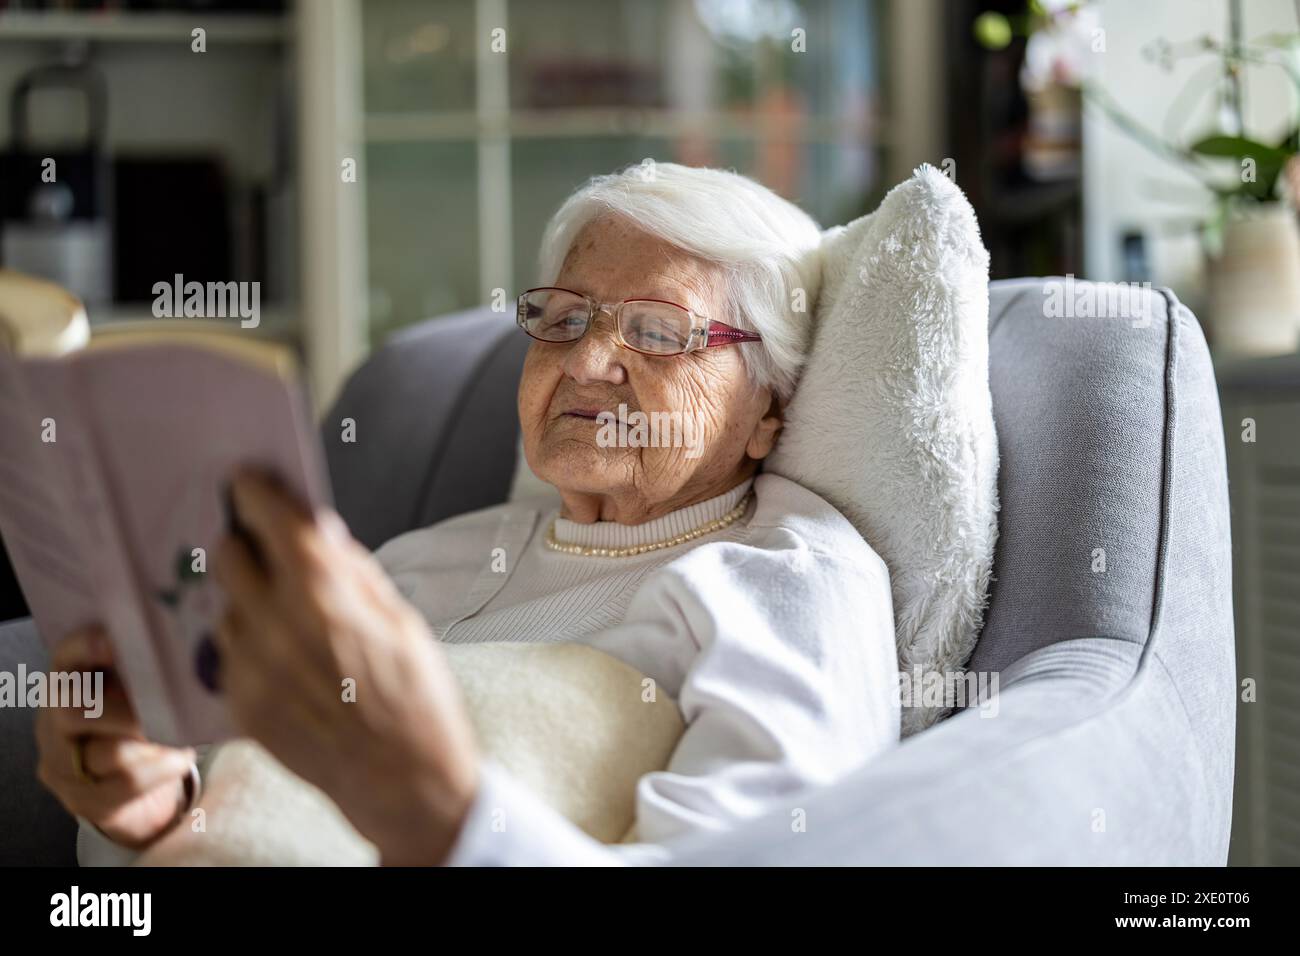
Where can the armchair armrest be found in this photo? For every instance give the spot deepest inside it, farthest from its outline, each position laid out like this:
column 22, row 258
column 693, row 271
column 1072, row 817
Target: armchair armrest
column 1088, row 759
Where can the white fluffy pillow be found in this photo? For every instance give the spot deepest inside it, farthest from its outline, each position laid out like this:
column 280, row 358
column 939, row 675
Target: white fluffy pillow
column 892, row 420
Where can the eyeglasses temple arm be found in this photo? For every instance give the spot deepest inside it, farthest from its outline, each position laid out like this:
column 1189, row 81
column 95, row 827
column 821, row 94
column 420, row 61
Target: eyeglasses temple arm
column 723, row 334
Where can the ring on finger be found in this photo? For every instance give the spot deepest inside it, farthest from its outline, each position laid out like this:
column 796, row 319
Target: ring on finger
column 79, row 760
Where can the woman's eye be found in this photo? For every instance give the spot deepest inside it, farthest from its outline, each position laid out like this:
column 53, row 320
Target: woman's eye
column 659, row 334
column 568, row 321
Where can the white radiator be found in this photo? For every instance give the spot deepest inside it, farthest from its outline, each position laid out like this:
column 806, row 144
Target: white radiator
column 1264, row 487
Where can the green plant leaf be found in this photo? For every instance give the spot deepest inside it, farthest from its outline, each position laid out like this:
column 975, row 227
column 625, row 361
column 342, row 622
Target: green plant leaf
column 1261, row 190
column 1269, row 161
column 1238, row 147
column 992, row 30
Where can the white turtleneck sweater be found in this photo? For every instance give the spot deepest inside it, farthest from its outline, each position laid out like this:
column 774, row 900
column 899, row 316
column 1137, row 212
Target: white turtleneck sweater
column 775, row 635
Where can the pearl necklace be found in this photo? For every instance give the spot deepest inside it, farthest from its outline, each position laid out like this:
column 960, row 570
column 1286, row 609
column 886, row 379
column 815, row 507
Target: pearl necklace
column 584, row 551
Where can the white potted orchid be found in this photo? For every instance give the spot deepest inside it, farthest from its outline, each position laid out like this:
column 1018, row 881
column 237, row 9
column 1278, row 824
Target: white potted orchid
column 1252, row 238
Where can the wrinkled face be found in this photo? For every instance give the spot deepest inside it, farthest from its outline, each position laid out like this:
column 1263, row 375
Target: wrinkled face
column 712, row 423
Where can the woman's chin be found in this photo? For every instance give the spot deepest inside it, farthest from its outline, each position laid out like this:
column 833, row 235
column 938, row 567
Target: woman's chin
column 582, row 466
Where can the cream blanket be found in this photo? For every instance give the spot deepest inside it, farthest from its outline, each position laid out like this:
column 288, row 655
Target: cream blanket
column 576, row 725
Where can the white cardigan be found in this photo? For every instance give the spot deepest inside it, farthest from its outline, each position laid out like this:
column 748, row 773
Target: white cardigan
column 775, row 635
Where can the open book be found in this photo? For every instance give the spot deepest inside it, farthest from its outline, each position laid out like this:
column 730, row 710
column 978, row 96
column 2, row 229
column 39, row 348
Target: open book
column 114, row 453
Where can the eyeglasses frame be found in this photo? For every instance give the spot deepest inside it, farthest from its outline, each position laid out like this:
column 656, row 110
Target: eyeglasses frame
column 712, row 335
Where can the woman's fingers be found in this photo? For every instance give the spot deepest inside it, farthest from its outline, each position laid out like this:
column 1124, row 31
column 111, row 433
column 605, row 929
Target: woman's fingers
column 107, row 799
column 292, row 598
column 115, row 716
column 114, row 770
column 86, row 648
column 282, row 527
column 141, row 764
column 61, row 732
column 237, row 571
column 49, row 742
column 100, row 767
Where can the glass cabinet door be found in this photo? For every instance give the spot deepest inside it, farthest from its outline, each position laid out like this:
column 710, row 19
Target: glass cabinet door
column 483, row 115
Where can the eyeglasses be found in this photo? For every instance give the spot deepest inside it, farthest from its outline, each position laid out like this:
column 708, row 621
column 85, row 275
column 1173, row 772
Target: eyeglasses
column 650, row 326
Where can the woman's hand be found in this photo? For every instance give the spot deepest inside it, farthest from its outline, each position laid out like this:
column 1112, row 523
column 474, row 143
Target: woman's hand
column 101, row 768
column 326, row 665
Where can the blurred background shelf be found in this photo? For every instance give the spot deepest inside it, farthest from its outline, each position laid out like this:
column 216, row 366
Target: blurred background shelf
column 275, row 323
column 143, row 27
column 453, row 125
column 196, row 152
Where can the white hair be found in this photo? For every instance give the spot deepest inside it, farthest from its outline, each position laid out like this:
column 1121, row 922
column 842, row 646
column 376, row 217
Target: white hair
column 766, row 246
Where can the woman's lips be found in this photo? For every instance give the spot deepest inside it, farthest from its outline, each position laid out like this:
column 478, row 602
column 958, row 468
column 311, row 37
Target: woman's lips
column 590, row 413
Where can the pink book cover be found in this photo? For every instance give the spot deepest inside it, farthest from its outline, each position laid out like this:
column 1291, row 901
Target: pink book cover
column 118, row 518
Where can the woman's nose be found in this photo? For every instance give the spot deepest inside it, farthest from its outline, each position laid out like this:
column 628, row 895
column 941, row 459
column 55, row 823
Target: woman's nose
column 597, row 356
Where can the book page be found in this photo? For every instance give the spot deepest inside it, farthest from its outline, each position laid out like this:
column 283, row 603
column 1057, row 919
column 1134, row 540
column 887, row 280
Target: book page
column 34, row 506
column 65, row 546
column 171, row 422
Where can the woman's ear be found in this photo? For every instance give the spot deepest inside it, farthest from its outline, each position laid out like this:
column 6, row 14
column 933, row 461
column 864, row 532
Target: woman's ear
column 763, row 439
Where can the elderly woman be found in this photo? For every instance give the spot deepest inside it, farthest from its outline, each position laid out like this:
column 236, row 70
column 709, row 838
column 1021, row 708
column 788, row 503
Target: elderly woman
column 747, row 598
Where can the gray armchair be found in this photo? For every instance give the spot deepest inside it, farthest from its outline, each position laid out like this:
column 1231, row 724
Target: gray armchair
column 1114, row 732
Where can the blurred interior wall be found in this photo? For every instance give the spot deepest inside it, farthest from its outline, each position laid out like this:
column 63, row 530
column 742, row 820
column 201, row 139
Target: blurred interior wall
column 332, row 206
column 917, row 106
